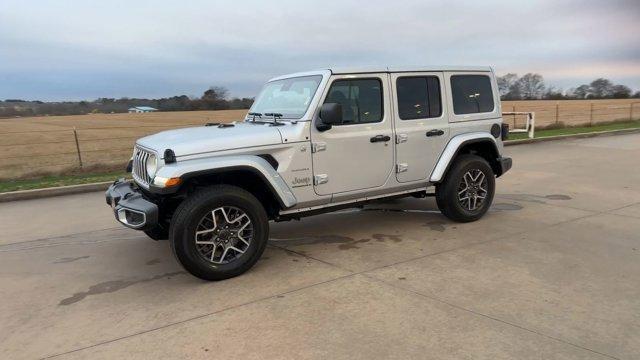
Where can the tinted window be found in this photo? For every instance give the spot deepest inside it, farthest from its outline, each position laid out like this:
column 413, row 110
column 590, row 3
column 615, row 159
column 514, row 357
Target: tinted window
column 471, row 94
column 419, row 97
column 361, row 100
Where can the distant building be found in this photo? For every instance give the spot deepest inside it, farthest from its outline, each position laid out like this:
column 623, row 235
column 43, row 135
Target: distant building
column 142, row 109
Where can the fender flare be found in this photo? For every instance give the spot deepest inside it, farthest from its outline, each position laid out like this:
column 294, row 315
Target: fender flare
column 453, row 147
column 216, row 165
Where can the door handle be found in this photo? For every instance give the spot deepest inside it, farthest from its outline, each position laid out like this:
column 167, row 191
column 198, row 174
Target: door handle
column 435, row 132
column 380, row 138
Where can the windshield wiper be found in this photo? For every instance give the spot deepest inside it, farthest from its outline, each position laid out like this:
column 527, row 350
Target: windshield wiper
column 275, row 118
column 254, row 114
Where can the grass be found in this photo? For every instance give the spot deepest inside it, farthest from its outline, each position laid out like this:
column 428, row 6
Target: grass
column 58, row 180
column 579, row 130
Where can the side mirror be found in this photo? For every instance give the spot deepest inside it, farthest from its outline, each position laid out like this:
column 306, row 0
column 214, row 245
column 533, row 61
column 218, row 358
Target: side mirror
column 330, row 114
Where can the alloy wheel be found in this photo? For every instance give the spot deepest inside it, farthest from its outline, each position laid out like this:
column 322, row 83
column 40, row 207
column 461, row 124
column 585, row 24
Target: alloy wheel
column 472, row 190
column 223, row 235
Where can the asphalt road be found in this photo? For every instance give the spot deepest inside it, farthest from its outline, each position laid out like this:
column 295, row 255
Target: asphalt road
column 552, row 272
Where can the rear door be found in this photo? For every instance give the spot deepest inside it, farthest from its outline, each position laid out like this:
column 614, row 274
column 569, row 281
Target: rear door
column 358, row 154
column 422, row 126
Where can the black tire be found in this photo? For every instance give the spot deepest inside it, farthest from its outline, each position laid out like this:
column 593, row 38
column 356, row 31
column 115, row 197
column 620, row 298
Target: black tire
column 159, row 232
column 447, row 191
column 189, row 214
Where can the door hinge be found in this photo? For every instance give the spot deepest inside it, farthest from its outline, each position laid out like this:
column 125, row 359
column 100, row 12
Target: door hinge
column 401, row 138
column 402, row 167
column 318, row 146
column 320, row 179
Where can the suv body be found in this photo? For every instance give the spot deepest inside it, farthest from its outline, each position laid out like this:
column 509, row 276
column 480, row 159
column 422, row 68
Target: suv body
column 315, row 142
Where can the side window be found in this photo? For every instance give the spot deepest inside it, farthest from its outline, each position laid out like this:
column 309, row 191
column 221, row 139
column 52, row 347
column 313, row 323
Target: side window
column 471, row 94
column 419, row 97
column 361, row 100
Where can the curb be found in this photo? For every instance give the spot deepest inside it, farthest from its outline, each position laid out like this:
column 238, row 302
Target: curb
column 572, row 136
column 53, row 191
column 102, row 186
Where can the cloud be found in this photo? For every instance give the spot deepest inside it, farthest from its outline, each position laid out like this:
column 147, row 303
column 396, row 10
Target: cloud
column 74, row 49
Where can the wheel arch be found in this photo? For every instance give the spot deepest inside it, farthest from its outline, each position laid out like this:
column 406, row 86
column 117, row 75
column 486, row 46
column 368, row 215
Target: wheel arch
column 249, row 172
column 481, row 144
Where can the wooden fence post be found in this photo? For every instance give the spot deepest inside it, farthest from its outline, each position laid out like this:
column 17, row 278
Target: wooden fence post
column 75, row 136
column 590, row 114
column 557, row 112
column 630, row 111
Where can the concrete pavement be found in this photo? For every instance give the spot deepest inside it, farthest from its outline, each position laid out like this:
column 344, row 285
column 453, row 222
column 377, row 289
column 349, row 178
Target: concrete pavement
column 553, row 271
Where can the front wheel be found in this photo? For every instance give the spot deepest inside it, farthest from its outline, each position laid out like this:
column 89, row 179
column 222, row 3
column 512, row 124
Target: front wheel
column 467, row 191
column 219, row 232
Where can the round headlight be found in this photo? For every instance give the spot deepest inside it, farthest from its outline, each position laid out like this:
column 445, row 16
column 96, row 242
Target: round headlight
column 152, row 165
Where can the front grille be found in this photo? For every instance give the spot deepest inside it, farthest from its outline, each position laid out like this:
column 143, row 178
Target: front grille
column 139, row 171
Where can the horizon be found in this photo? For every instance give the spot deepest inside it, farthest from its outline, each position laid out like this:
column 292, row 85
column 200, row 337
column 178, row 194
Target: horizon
column 56, row 51
column 232, row 96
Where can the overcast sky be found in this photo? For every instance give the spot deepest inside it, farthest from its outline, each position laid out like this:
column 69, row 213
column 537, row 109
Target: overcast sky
column 70, row 50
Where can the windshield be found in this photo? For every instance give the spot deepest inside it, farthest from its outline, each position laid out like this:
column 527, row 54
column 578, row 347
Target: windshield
column 289, row 97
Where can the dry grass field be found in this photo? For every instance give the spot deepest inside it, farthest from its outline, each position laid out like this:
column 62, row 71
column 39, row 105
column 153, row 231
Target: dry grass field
column 41, row 145
column 573, row 112
column 46, row 145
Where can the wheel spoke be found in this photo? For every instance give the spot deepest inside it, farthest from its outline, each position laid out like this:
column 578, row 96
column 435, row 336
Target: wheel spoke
column 205, row 242
column 224, row 254
column 229, row 228
column 224, row 213
column 243, row 240
column 465, row 178
column 240, row 218
column 480, row 178
column 235, row 249
column 213, row 251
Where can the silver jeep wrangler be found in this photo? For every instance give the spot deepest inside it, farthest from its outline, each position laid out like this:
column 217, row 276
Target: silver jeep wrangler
column 315, row 142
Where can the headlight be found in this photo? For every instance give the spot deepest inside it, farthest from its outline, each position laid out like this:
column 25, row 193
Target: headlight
column 152, row 165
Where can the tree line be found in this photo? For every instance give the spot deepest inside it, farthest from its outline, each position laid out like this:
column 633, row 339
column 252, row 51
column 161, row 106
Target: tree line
column 214, row 98
column 531, row 86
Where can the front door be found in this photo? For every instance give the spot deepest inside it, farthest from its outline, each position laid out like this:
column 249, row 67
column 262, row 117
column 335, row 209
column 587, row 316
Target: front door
column 358, row 154
column 422, row 127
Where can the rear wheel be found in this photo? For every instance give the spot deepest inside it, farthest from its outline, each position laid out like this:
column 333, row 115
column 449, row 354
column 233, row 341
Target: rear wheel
column 219, row 232
column 467, row 191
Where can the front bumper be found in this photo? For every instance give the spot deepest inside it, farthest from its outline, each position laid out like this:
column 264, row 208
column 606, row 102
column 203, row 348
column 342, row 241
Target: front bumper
column 505, row 164
column 130, row 207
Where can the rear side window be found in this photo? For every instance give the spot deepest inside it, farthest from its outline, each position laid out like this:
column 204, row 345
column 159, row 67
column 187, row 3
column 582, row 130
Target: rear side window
column 361, row 100
column 419, row 97
column 471, row 94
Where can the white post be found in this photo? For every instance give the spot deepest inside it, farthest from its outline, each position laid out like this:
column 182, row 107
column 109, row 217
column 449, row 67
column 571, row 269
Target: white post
column 532, row 129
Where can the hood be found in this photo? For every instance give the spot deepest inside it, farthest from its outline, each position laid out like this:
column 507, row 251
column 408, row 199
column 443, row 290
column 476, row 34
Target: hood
column 203, row 139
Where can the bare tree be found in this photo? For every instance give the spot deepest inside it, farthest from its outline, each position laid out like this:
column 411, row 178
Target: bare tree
column 506, row 82
column 620, row 92
column 531, row 86
column 601, row 88
column 581, row 92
